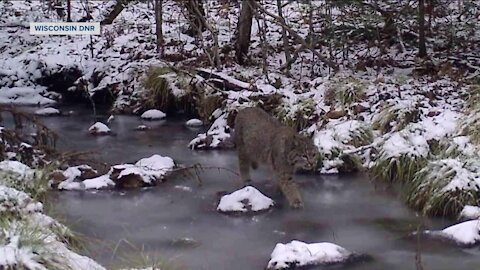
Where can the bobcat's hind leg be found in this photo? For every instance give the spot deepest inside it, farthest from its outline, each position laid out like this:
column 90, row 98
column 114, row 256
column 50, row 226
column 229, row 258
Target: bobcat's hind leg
column 290, row 190
column 244, row 166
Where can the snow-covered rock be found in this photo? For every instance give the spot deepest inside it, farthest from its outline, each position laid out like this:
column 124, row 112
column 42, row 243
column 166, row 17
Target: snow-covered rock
column 217, row 136
column 244, row 200
column 99, row 129
column 141, row 127
column 146, row 171
column 16, row 167
column 47, row 111
column 298, row 253
column 463, row 234
column 470, row 212
column 194, row 123
column 153, row 115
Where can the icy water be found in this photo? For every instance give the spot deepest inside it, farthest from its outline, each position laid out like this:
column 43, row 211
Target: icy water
column 177, row 221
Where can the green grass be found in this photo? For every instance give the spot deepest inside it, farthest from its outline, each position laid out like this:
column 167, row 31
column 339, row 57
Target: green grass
column 34, row 241
column 427, row 191
column 361, row 136
column 345, row 91
column 300, row 119
column 159, row 95
column 470, row 126
column 138, row 258
column 36, row 186
column 398, row 169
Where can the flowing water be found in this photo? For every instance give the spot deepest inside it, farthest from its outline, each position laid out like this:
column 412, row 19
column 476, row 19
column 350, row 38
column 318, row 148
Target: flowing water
column 177, row 220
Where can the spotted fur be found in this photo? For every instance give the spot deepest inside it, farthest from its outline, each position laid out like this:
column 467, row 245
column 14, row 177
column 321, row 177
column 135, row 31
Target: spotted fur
column 260, row 138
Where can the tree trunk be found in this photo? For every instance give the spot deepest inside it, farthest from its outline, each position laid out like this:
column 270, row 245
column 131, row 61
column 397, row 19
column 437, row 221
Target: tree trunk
column 158, row 24
column 422, row 50
column 69, row 10
column 244, row 29
column 286, row 47
column 196, row 16
column 117, row 9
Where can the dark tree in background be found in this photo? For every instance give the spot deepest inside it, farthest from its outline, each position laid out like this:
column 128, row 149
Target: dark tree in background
column 196, row 16
column 244, row 29
column 158, row 24
column 69, row 10
column 117, row 9
column 422, row 50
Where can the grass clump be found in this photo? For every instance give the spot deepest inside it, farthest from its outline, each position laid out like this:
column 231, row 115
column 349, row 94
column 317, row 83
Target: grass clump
column 158, row 95
column 445, row 186
column 400, row 157
column 138, row 258
column 345, row 91
column 396, row 117
column 470, row 126
column 32, row 245
column 300, row 116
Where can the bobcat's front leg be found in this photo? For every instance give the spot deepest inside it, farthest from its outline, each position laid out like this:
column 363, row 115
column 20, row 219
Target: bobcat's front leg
column 244, row 166
column 290, row 190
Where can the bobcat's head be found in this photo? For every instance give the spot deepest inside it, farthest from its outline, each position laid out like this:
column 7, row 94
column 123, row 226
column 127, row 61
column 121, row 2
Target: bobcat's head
column 303, row 154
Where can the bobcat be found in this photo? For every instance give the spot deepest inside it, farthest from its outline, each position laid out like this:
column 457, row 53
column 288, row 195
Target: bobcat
column 261, row 138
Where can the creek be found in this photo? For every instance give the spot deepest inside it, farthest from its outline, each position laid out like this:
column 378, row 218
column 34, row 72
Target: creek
column 178, row 221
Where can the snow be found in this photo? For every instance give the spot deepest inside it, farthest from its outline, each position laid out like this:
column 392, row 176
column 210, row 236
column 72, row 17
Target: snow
column 405, row 143
column 99, row 182
column 296, row 253
column 21, row 95
column 227, row 78
column 194, row 123
column 465, row 234
column 153, row 115
column 150, row 169
column 99, row 129
column 17, row 202
column 470, row 212
column 16, row 167
column 215, row 137
column 244, row 200
column 47, row 111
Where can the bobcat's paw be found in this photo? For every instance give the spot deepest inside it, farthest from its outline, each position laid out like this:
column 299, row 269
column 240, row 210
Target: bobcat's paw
column 296, row 204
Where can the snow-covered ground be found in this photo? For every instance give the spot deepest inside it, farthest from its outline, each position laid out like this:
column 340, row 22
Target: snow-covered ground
column 30, row 239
